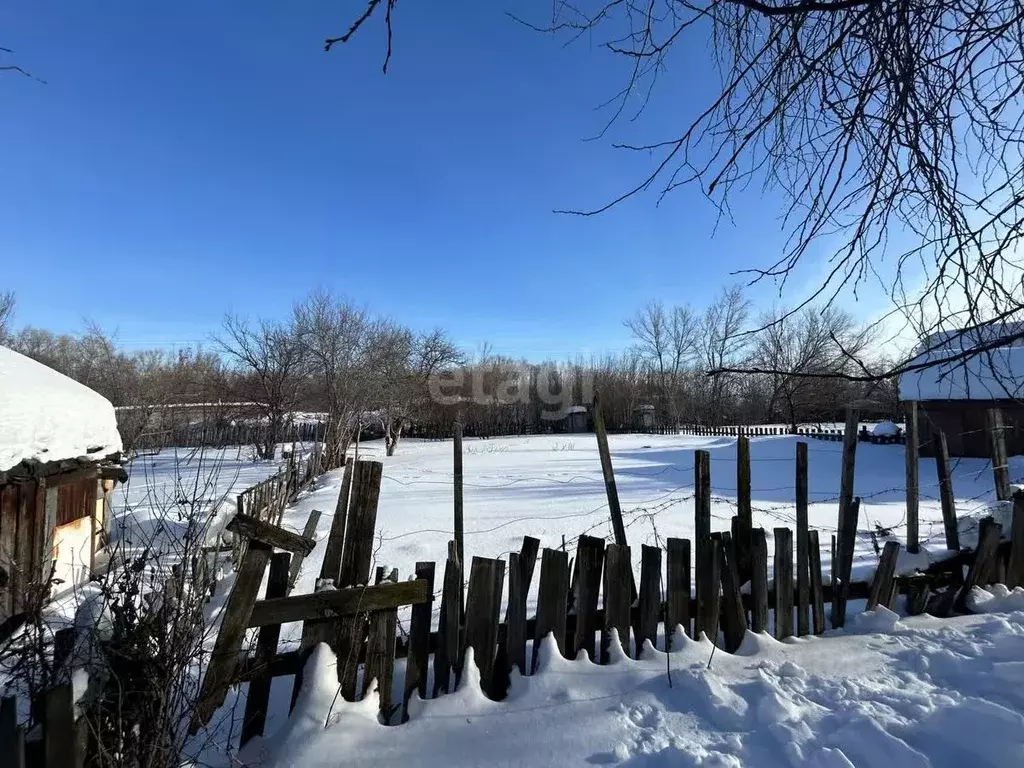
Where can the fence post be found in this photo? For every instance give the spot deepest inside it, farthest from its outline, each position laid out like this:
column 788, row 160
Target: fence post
column 449, row 632
column 847, row 527
column 12, row 737
column 746, row 523
column 844, row 551
column 997, row 439
column 61, row 746
column 988, row 543
column 608, row 473
column 946, row 492
column 881, row 584
column 1015, row 568
column 457, row 475
column 910, row 453
column 783, row 578
column 709, row 607
column 802, row 567
column 759, row 581
column 817, row 595
column 702, row 541
column 419, row 642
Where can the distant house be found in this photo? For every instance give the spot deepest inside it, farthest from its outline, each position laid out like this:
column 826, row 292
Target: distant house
column 575, row 419
column 59, row 461
column 954, row 396
column 644, row 417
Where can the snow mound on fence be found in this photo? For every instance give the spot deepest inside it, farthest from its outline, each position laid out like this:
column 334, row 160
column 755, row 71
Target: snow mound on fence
column 885, row 429
column 921, row 692
column 45, row 416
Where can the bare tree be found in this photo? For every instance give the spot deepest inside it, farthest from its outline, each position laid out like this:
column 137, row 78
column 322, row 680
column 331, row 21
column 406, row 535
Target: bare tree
column 271, row 362
column 891, row 131
column 333, row 334
column 6, row 313
column 668, row 341
column 402, row 364
column 820, row 340
column 722, row 342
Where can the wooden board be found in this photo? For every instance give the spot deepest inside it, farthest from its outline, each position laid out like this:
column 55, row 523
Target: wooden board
column 677, row 587
column 332, row 603
column 552, row 599
column 589, row 564
column 618, row 572
column 649, row 613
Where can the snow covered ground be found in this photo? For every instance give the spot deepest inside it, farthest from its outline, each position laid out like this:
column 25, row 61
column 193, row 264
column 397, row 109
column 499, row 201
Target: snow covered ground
column 551, row 486
column 885, row 692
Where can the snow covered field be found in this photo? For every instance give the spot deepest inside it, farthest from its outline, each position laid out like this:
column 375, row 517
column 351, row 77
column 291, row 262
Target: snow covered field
column 917, row 692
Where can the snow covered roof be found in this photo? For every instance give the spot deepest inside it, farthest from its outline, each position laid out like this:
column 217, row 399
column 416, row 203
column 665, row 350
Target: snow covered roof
column 996, row 374
column 46, row 417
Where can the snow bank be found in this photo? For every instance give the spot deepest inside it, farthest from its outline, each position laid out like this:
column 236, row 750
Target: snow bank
column 917, row 692
column 885, row 429
column 996, row 599
column 45, row 416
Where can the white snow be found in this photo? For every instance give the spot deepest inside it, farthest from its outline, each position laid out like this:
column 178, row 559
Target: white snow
column 992, row 375
column 45, row 416
column 885, row 429
column 917, row 692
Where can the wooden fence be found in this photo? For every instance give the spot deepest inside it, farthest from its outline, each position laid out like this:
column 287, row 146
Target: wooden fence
column 818, row 433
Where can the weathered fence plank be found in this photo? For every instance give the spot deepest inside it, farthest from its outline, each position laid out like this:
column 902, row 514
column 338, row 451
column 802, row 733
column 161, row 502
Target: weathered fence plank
column 552, row 599
column 881, row 584
column 646, row 627
column 258, row 697
column 1015, row 568
column 222, row 667
column 984, row 558
column 741, row 540
column 702, row 542
column 677, row 598
column 380, row 657
column 946, row 492
column 910, row 453
column 483, row 611
column 457, row 489
column 608, row 473
column 783, row 582
column 335, row 546
column 817, row 596
column 449, row 651
column 589, row 562
column 419, row 641
column 337, row 602
column 271, row 535
column 709, row 607
column 759, row 581
column 308, row 531
column 734, row 618
column 62, row 747
column 618, row 571
column 845, row 546
column 997, row 441
column 803, row 593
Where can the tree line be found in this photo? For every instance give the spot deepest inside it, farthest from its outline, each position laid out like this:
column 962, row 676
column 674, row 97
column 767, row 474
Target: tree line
column 362, row 373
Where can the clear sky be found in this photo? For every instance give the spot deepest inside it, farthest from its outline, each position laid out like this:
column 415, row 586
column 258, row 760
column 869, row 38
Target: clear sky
column 189, row 158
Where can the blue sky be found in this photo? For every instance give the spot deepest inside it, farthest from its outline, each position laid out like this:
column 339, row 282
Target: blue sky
column 190, row 158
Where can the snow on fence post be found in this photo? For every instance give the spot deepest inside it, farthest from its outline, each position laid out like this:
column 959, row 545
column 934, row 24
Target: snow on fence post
column 759, row 581
column 258, row 698
column 419, row 641
column 946, row 492
column 677, row 586
column 802, row 567
column 817, row 596
column 649, row 606
column 783, row 582
column 618, row 570
column 910, row 452
column 552, row 599
column 706, row 585
column 1015, row 568
column 997, row 441
column 589, row 562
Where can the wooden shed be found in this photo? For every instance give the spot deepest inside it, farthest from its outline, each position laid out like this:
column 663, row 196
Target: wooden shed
column 59, row 462
column 956, row 397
